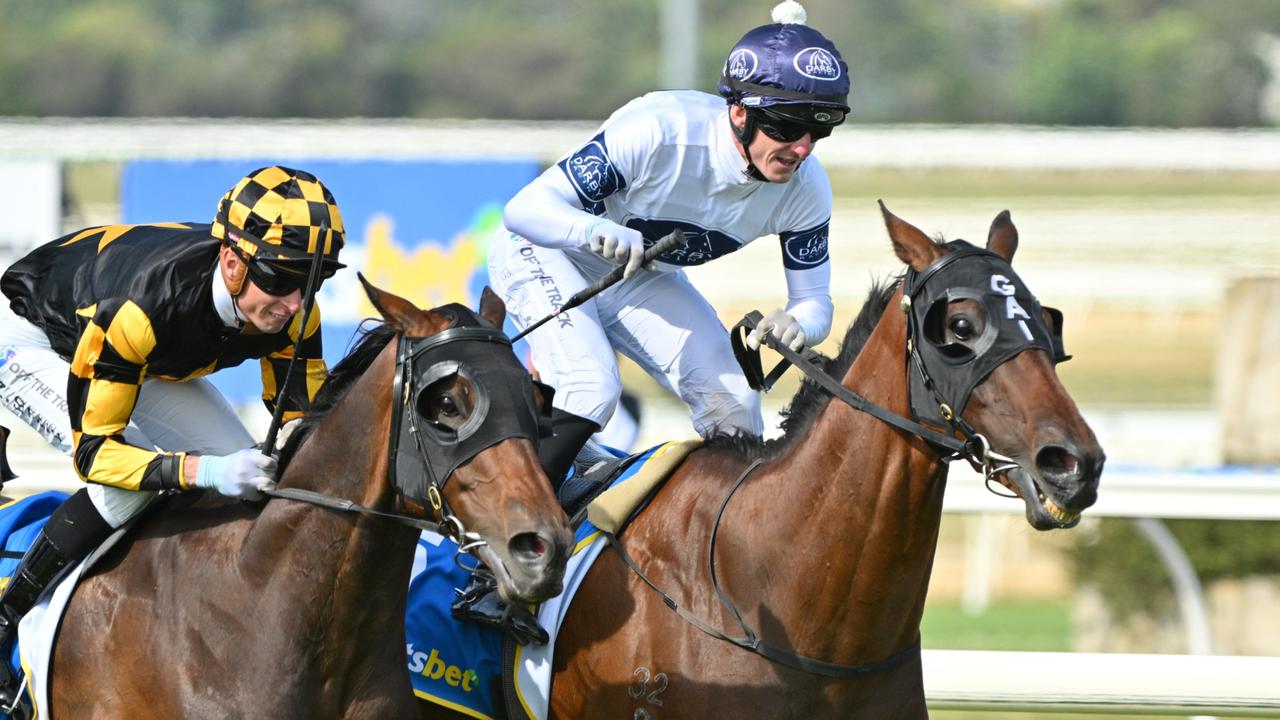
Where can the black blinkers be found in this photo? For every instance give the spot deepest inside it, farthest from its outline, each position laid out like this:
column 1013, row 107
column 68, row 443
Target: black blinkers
column 945, row 373
column 425, row 453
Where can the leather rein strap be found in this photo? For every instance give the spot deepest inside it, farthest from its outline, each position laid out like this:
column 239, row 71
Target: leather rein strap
column 805, row 361
column 749, row 640
column 332, row 503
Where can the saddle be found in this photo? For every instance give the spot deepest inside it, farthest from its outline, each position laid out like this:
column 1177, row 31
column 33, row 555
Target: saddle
column 594, row 469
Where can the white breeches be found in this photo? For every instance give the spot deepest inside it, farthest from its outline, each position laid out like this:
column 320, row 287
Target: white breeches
column 188, row 416
column 656, row 318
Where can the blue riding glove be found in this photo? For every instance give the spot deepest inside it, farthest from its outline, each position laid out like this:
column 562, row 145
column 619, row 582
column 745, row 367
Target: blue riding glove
column 242, row 474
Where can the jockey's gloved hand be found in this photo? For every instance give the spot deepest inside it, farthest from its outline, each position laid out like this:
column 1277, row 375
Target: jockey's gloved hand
column 782, row 326
column 242, row 474
column 617, row 244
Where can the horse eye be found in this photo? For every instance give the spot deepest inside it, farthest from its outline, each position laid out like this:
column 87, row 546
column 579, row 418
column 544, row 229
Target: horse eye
column 446, row 406
column 961, row 327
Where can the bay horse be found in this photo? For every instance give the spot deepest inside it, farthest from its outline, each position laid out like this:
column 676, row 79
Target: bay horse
column 816, row 548
column 213, row 608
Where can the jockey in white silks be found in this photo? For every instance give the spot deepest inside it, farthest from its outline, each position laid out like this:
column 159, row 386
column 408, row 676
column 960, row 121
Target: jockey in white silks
column 726, row 170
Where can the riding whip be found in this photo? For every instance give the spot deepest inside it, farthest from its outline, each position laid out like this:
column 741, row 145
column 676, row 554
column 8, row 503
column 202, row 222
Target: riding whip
column 269, row 444
column 670, row 242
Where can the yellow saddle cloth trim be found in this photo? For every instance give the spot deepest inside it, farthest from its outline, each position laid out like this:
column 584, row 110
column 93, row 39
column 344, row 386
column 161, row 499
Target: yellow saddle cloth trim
column 613, row 506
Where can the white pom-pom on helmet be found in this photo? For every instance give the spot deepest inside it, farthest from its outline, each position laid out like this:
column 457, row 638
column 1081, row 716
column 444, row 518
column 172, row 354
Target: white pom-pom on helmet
column 789, row 12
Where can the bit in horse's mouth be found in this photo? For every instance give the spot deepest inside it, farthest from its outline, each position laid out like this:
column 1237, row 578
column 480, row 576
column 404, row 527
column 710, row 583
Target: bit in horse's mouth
column 1060, row 515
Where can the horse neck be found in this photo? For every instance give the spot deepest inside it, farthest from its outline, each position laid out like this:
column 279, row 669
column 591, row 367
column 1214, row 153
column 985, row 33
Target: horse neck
column 865, row 501
column 351, row 571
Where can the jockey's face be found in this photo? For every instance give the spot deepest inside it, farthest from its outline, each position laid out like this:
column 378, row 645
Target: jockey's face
column 265, row 312
column 268, row 313
column 776, row 160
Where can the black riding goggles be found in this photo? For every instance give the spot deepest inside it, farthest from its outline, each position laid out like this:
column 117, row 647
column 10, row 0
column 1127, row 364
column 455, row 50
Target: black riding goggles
column 273, row 279
column 790, row 126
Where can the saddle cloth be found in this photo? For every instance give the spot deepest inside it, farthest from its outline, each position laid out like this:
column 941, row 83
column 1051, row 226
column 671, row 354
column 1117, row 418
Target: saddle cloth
column 20, row 522
column 459, row 665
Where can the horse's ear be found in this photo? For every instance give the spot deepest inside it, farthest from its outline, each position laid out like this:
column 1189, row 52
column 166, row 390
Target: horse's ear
column 909, row 244
column 492, row 308
column 1002, row 239
column 395, row 310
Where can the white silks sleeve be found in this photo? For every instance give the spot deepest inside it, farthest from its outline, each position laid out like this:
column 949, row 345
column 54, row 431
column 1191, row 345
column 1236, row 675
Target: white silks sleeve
column 809, row 301
column 547, row 212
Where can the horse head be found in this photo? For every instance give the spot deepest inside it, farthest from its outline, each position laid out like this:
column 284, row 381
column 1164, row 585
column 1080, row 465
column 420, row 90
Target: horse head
column 465, row 418
column 982, row 362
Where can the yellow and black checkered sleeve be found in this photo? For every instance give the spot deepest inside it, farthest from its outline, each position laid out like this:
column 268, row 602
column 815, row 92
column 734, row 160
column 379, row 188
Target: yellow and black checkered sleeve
column 107, row 369
column 308, row 376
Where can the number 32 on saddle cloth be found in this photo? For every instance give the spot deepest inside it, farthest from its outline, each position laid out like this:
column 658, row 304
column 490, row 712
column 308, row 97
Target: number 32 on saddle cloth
column 460, row 665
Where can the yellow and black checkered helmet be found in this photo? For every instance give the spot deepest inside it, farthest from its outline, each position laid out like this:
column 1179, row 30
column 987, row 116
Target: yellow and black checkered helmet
column 278, row 215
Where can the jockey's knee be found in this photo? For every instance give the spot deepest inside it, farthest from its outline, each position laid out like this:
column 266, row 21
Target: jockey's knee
column 77, row 526
column 727, row 410
column 118, row 506
column 590, row 392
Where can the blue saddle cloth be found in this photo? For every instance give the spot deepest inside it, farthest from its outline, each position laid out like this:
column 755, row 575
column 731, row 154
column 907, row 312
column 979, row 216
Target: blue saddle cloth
column 454, row 664
column 20, row 523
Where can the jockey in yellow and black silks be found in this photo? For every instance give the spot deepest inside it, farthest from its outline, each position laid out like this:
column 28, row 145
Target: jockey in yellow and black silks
column 110, row 331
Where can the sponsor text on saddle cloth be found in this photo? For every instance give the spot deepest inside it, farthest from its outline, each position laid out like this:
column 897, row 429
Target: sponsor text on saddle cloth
column 458, row 664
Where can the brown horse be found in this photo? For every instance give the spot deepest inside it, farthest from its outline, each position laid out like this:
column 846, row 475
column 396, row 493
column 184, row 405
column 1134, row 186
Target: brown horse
column 823, row 540
column 217, row 609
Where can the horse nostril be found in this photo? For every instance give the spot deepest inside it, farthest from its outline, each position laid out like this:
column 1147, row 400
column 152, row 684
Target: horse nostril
column 1058, row 464
column 528, row 546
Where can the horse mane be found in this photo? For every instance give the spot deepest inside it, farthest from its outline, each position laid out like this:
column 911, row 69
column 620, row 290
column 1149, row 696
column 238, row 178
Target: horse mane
column 810, row 399
column 371, row 338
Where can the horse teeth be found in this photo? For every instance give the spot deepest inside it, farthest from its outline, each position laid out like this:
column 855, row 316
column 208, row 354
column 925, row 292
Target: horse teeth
column 1057, row 513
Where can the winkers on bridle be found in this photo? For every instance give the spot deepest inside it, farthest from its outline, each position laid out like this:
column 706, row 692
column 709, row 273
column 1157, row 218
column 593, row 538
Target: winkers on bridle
column 944, row 374
column 423, row 453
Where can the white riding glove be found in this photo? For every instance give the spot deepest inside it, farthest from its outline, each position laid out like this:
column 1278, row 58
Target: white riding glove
column 617, row 244
column 242, row 474
column 782, row 326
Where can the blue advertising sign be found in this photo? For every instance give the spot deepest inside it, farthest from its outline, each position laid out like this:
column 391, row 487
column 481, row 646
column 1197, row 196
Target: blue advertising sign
column 419, row 229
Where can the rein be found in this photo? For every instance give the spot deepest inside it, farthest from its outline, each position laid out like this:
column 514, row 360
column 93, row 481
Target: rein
column 975, row 448
column 312, row 497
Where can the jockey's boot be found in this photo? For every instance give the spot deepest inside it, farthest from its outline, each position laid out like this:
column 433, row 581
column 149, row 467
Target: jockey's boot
column 39, row 565
column 479, row 603
column 556, row 453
